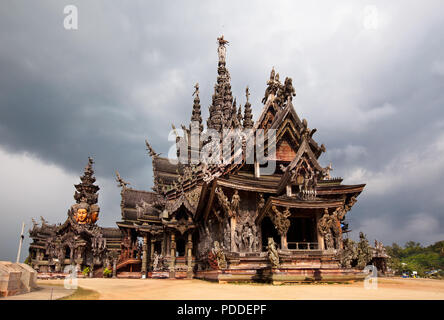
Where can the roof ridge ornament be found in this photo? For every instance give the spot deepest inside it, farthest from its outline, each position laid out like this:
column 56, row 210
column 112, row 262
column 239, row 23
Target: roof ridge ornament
column 273, row 84
column 196, row 114
column 196, row 91
column 150, row 149
column 122, row 183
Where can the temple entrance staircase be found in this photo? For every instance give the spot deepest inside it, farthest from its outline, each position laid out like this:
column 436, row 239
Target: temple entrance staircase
column 129, row 268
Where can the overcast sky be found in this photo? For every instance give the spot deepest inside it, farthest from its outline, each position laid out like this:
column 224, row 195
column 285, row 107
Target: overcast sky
column 368, row 75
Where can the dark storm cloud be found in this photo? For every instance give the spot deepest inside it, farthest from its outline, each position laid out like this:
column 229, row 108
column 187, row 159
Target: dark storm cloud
column 370, row 78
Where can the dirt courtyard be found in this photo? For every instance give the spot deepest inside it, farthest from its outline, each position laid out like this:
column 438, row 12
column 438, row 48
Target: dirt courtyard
column 158, row 289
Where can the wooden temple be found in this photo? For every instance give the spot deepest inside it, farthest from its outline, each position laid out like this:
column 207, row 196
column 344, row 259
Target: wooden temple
column 232, row 221
column 78, row 242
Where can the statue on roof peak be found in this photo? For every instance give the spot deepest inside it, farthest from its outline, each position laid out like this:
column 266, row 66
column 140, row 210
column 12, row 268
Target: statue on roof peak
column 272, row 74
column 221, row 50
column 273, row 85
column 222, row 41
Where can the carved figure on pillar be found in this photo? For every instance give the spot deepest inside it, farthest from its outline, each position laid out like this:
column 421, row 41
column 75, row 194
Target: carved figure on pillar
column 273, row 254
column 238, row 237
column 235, row 201
column 220, row 255
column 227, row 234
column 325, row 230
column 261, row 203
column 335, row 227
column 225, row 203
column 280, row 220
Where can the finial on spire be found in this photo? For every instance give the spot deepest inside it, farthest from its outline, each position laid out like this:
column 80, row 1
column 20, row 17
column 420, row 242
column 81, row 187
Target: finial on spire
column 196, row 91
column 248, row 115
column 89, row 165
column 221, row 50
column 196, row 116
column 272, row 74
column 222, row 41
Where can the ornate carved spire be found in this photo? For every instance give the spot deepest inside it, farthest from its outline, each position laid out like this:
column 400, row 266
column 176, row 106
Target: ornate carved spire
column 196, row 115
column 248, row 116
column 239, row 116
column 86, row 190
column 233, row 118
column 222, row 104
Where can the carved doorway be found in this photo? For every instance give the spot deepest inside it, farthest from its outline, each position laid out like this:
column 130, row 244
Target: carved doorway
column 180, row 246
column 302, row 233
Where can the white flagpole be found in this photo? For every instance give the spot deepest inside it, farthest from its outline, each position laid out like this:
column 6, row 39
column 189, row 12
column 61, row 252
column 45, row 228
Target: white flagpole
column 21, row 242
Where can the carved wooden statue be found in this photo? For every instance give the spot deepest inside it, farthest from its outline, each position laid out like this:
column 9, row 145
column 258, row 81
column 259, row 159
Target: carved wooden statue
column 273, row 254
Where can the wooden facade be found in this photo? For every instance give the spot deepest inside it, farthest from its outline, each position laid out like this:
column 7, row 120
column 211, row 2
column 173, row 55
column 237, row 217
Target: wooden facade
column 228, row 221
column 215, row 221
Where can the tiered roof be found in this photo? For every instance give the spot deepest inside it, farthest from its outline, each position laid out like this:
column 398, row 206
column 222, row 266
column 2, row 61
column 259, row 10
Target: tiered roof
column 86, row 190
column 193, row 185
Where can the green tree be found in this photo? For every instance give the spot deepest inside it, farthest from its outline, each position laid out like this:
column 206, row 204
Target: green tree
column 414, row 257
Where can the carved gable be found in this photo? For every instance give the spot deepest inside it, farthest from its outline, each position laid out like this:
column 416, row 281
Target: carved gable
column 284, row 151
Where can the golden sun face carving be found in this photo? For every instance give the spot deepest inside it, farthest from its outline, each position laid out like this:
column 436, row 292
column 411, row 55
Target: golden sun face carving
column 81, row 216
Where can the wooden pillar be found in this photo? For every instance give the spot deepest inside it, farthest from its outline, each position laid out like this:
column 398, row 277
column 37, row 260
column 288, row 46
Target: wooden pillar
column 114, row 267
column 79, row 265
column 257, row 172
column 284, row 245
column 233, row 233
column 190, row 255
column 340, row 244
column 319, row 235
column 173, row 256
column 165, row 245
column 153, row 243
column 288, row 190
column 283, row 233
column 144, row 255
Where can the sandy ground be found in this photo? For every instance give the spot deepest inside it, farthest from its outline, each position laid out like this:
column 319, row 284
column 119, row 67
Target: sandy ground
column 44, row 292
column 158, row 289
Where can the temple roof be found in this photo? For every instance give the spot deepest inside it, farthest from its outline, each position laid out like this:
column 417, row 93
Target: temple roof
column 132, row 197
column 193, row 186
